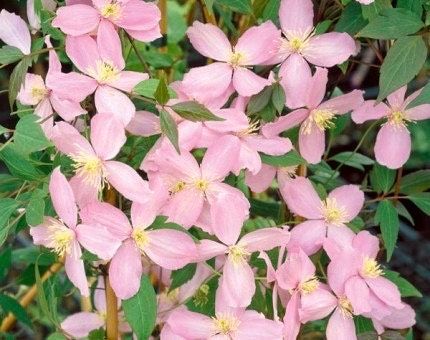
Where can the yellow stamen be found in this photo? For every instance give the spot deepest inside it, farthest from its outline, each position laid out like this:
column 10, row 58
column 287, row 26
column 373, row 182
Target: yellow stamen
column 345, row 307
column 104, row 72
column 371, row 269
column 398, row 118
column 297, row 45
column 111, row 11
column 237, row 254
column 225, row 323
column 236, row 59
column 178, row 187
column 252, row 129
column 39, row 93
column 309, row 286
column 322, row 119
column 173, row 295
column 333, row 213
column 201, row 184
column 140, row 237
column 90, row 168
column 60, row 240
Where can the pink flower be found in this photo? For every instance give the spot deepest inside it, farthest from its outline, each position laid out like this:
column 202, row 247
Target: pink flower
column 262, row 180
column 102, row 61
column 254, row 47
column 93, row 162
column 398, row 319
column 138, row 18
column 63, row 236
column 168, row 248
column 325, row 218
column 393, row 142
column 197, row 194
column 14, row 31
column 237, row 283
column 316, row 117
column 228, row 323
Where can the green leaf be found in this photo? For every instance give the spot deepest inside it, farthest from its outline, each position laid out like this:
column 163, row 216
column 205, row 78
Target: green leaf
column 382, row 178
column 418, row 181
column 351, row 21
column 415, row 6
column 403, row 62
column 58, row 336
column 10, row 305
column 406, row 288
column 35, row 210
column 42, row 300
column 169, row 128
column 401, row 209
column 278, row 97
column 271, row 11
column 241, row 6
column 97, row 334
column 10, row 54
column 7, row 208
column 162, row 93
column 29, row 136
column 388, row 219
column 194, row 111
column 392, row 24
column 323, row 26
column 148, row 87
column 259, row 101
column 291, row 158
column 141, row 310
column 17, row 78
column 371, row 11
column 182, row 276
column 363, row 325
column 423, row 97
column 18, row 165
column 422, row 201
column 354, row 160
column 266, row 209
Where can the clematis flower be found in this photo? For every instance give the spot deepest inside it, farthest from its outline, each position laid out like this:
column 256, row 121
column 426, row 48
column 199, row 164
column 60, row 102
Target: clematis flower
column 198, row 190
column 325, row 218
column 398, row 319
column 14, row 31
column 254, row 47
column 93, row 162
column 262, row 180
column 138, row 18
column 65, row 235
column 393, row 142
column 103, row 63
column 316, row 117
column 237, row 283
column 168, row 248
column 34, row 91
column 228, row 323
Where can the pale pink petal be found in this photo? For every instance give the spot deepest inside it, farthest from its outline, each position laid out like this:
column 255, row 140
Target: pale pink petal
column 340, row 327
column 235, row 120
column 83, row 52
column 261, row 180
column 75, row 269
column 107, row 135
column 340, row 270
column 349, row 197
column 209, row 41
column 366, row 244
column 357, row 293
column 109, row 45
column 249, row 159
column 344, row 103
column 144, row 123
column 62, row 198
column 208, row 249
column 312, row 144
column 147, row 35
column 329, row 49
column 369, row 110
column 14, row 31
column 297, row 269
column 258, row 44
column 400, row 318
column 139, row 15
column 42, row 234
column 271, row 273
column 69, row 141
column 110, row 100
column 393, row 146
column 419, row 112
column 76, row 19
column 79, row 325
column 127, row 80
column 342, row 236
column 296, row 15
column 385, row 290
column 301, row 198
column 317, row 88
column 247, row 83
column 397, row 98
column 317, row 305
column 66, row 109
column 255, row 326
column 265, row 239
column 142, row 215
column 190, row 325
column 54, row 64
column 291, row 318
column 275, row 146
column 237, row 283
column 125, row 279
column 72, row 86
column 309, row 236
column 285, row 123
column 25, row 95
column 84, row 193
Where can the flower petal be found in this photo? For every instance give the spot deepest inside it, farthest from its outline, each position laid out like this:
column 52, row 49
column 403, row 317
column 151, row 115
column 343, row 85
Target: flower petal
column 312, row 144
column 393, row 146
column 107, row 135
column 369, row 111
column 14, row 31
column 296, row 15
column 350, row 197
column 79, row 325
column 76, row 19
column 265, row 239
column 340, row 327
column 247, row 83
column 110, row 100
column 285, row 123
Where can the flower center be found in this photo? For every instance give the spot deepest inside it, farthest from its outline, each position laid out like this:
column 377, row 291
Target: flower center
column 323, row 119
column 371, row 269
column 309, row 286
column 105, row 72
column 297, row 44
column 225, row 323
column 398, row 118
column 252, row 129
column 201, row 184
column 237, row 254
column 61, row 239
column 90, row 168
column 178, row 187
column 39, row 93
column 111, row 11
column 236, row 59
column 333, row 213
column 345, row 307
column 140, row 237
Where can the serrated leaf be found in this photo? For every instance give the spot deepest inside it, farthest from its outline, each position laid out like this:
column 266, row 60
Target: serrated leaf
column 406, row 288
column 29, row 136
column 182, row 276
column 194, row 111
column 148, row 87
column 17, row 78
column 382, row 178
column 388, row 219
column 291, row 158
column 10, row 305
column 403, row 62
column 351, row 20
column 422, row 201
column 18, row 165
column 241, row 6
column 259, row 101
column 162, row 93
column 418, row 181
column 278, row 97
column 141, row 310
column 401, row 209
column 10, row 54
column 169, row 128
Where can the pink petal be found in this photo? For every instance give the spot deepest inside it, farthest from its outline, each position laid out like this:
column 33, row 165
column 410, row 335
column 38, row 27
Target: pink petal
column 171, row 249
column 301, row 198
column 255, row 326
column 317, row 88
column 62, row 198
column 397, row 98
column 209, row 249
column 291, row 318
column 109, row 45
column 72, row 86
column 340, row 270
column 296, row 15
column 83, row 52
column 317, row 305
column 125, row 279
column 349, row 197
column 66, row 109
column 145, row 124
column 342, row 236
column 258, row 43
column 139, row 15
column 209, row 41
column 127, row 80
column 76, row 19
column 419, row 112
column 265, row 239
column 285, row 123
column 69, row 141
column 369, row 111
column 75, row 269
column 247, row 83
column 385, row 290
column 14, row 31
column 84, row 193
column 309, row 236
column 110, row 100
column 147, row 35
column 340, row 327
column 142, row 215
column 312, row 144
column 41, row 234
column 261, row 180
column 329, row 49
column 275, row 146
column 357, row 293
column 400, row 318
column 344, row 103
column 297, row 269
column 31, row 81
column 190, row 325
column 79, row 325
column 392, row 146
column 107, row 135
column 54, row 64
column 366, row 244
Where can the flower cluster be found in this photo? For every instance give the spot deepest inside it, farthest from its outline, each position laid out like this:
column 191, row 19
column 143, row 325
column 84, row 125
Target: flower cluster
column 192, row 184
